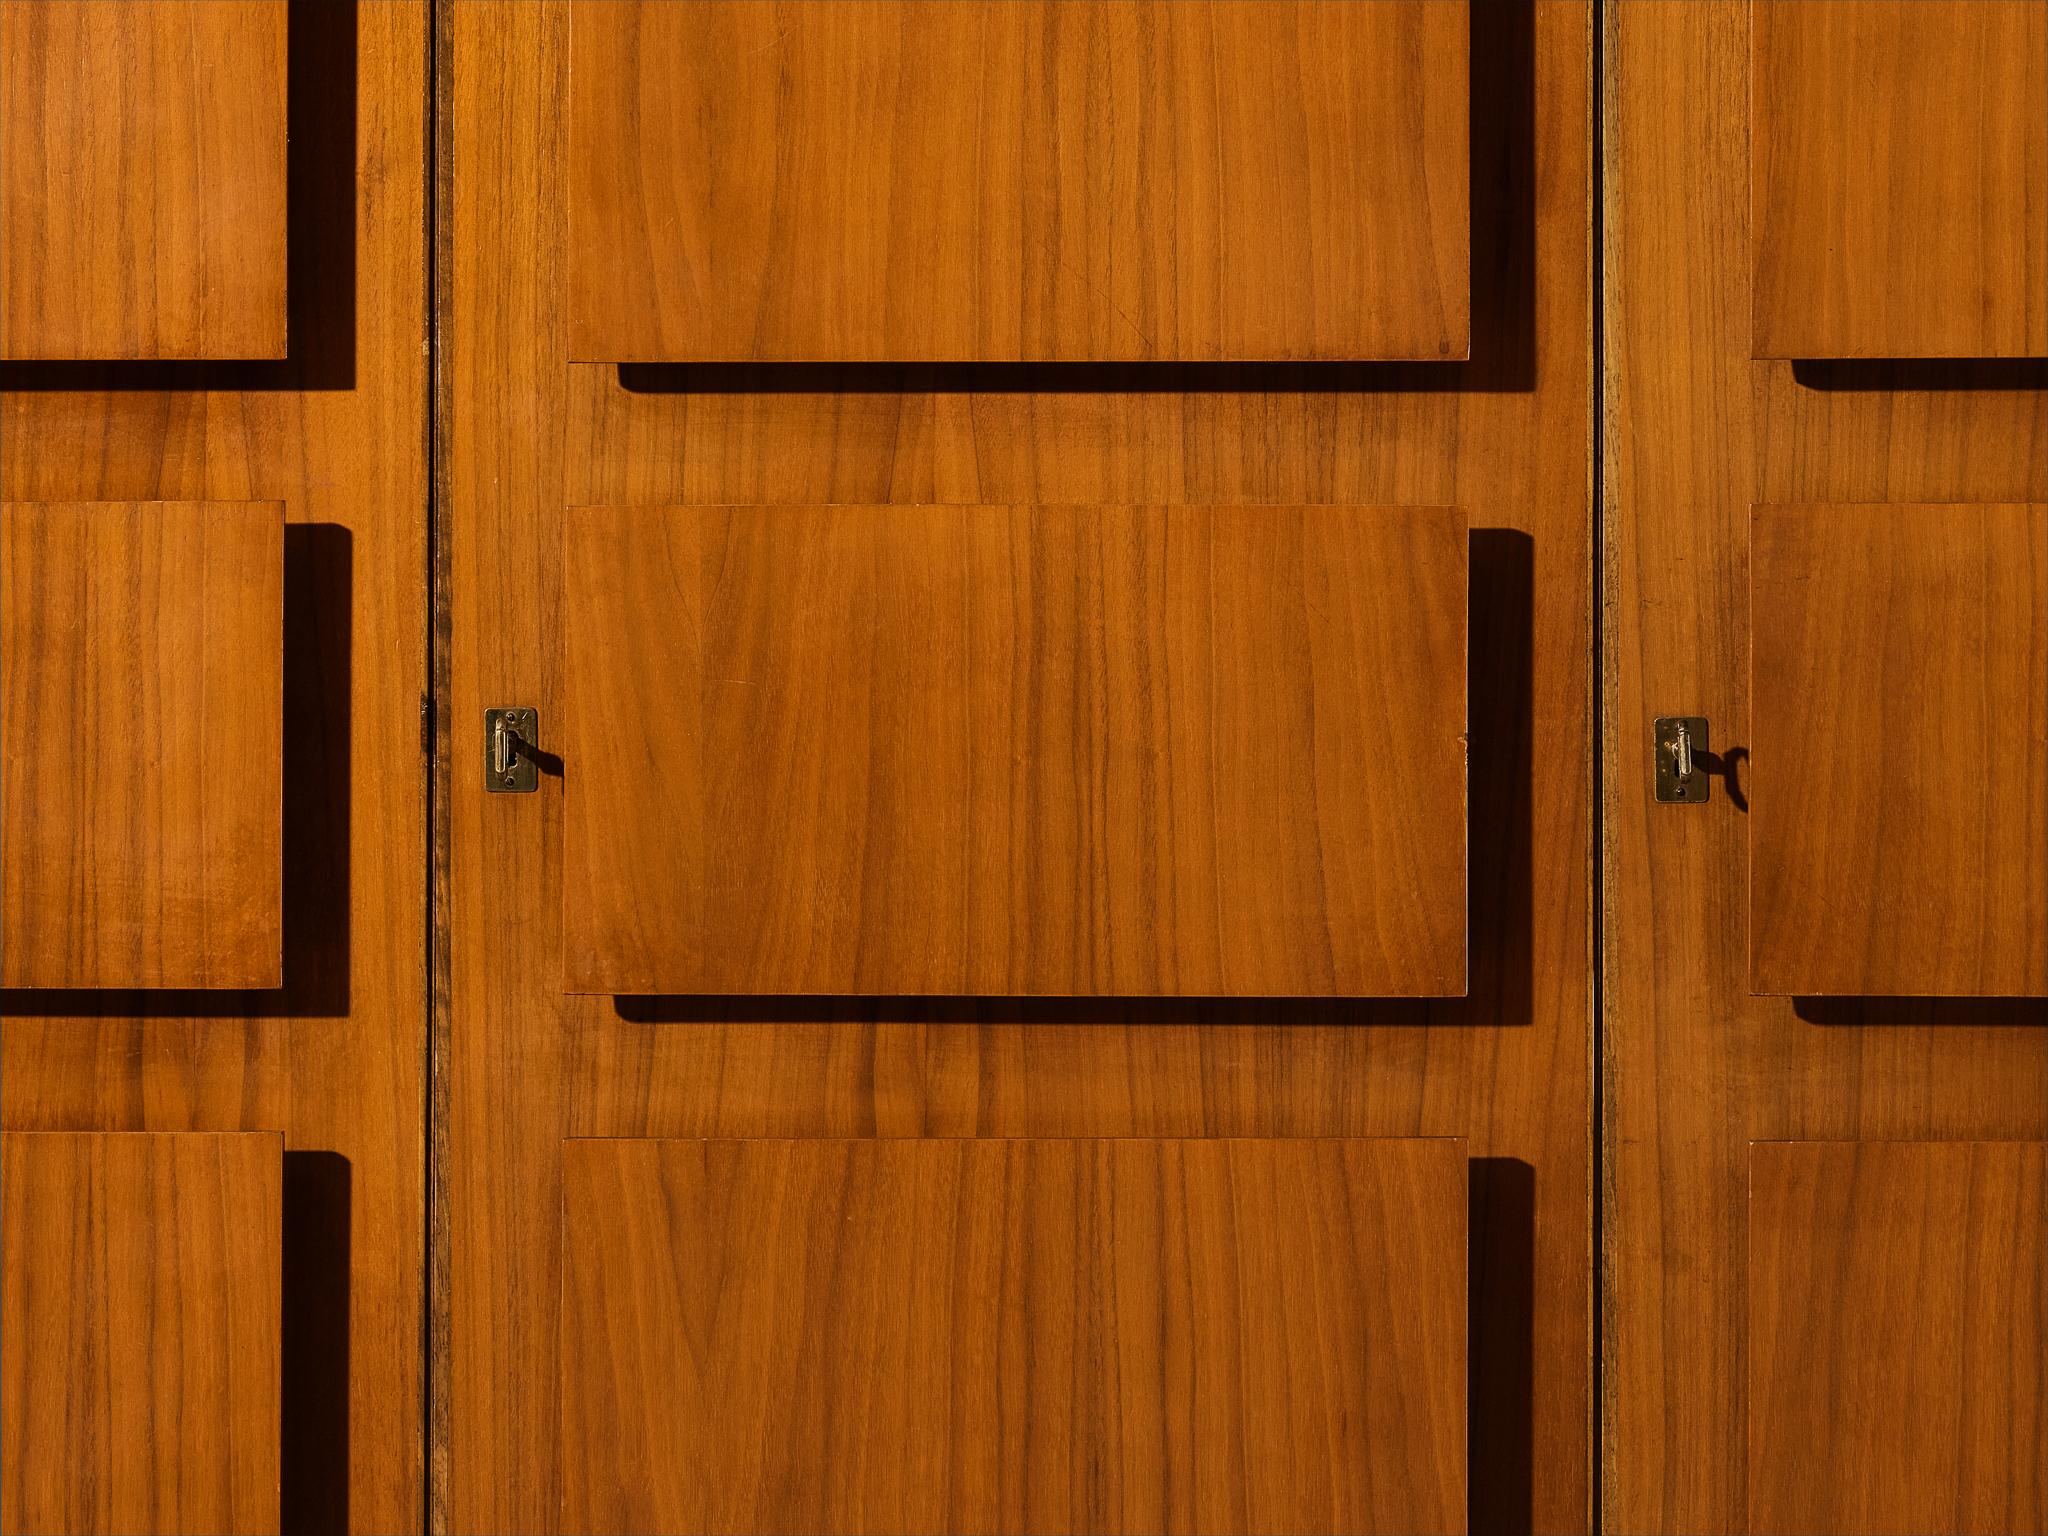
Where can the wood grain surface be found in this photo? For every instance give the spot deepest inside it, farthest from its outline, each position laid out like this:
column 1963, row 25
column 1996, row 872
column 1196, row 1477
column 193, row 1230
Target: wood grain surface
column 1015, row 750
column 141, row 744
column 1695, row 1067
column 139, row 1333
column 142, row 178
column 1898, row 658
column 1899, row 178
column 920, row 180
column 958, row 1336
column 334, row 1059
column 1898, row 1338
column 527, row 435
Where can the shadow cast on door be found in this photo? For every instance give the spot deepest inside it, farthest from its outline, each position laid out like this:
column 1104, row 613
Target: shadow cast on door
column 313, row 1446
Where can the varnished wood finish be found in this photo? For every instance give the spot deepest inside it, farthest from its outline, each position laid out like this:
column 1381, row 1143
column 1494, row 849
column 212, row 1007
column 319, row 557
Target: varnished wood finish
column 1899, row 832
column 139, row 1329
column 142, row 178
column 1015, row 750
column 528, row 435
column 1695, row 1067
column 957, row 1336
column 141, row 744
column 334, row 1057
column 1898, row 1338
column 919, row 180
column 1899, row 178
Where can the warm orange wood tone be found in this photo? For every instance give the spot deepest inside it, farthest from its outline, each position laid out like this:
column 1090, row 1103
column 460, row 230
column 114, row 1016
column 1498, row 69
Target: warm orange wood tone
column 141, row 724
column 139, row 1322
column 1899, row 178
column 1015, row 750
column 1898, row 1338
column 1696, row 1068
column 1095, row 179
column 142, row 178
column 1899, row 835
column 958, row 1336
column 334, row 1059
column 528, row 435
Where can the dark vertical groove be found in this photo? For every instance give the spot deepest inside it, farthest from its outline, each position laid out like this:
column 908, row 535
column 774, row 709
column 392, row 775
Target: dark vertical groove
column 435, row 758
column 1597, row 682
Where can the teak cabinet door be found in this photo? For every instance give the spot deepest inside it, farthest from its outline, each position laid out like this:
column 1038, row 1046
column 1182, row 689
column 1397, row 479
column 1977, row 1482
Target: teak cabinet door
column 1003, row 180
column 141, row 744
column 1825, row 977
column 1026, row 970
column 1899, row 178
column 214, row 788
column 142, row 179
column 1016, row 750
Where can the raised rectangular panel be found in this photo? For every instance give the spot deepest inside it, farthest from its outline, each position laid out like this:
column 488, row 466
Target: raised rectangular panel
column 141, row 744
column 1899, row 178
column 959, row 1336
column 140, row 1300
column 930, row 180
column 1898, row 821
column 142, row 178
column 1015, row 750
column 1898, row 1338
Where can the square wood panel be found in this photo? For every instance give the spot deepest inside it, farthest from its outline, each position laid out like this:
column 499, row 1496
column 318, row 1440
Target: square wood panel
column 141, row 744
column 1016, row 750
column 928, row 180
column 140, row 1302
column 142, row 178
column 1898, row 826
column 1899, row 178
column 953, row 1336
column 1898, row 1338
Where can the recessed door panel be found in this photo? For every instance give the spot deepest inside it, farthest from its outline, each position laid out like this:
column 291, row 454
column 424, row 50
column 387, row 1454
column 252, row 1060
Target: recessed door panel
column 955, row 1336
column 1137, row 179
column 1899, row 671
column 142, row 178
column 1898, row 1338
column 141, row 709
column 1016, row 750
column 139, row 1378
column 1899, row 178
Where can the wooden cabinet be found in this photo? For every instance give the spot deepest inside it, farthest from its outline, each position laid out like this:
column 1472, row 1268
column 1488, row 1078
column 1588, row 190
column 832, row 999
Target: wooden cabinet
column 1898, row 1338
column 924, row 180
column 1045, row 548
column 142, row 179
column 1823, row 1024
column 1035, row 971
column 1899, row 178
column 1899, row 833
column 1013, row 750
column 141, row 722
column 139, row 1333
column 958, row 1336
